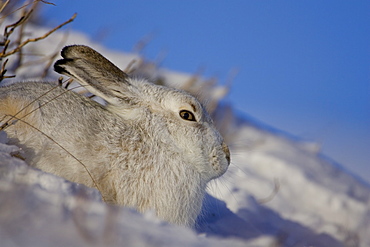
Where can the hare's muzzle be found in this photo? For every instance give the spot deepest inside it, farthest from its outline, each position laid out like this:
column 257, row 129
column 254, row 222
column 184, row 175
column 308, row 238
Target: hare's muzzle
column 226, row 150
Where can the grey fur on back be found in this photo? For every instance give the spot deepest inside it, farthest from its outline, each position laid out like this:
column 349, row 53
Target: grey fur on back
column 150, row 147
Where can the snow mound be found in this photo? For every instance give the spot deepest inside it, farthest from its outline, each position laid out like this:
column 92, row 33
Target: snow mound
column 40, row 209
column 302, row 196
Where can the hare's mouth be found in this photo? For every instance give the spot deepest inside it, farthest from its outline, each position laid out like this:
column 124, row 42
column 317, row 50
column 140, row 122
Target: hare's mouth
column 220, row 165
column 226, row 150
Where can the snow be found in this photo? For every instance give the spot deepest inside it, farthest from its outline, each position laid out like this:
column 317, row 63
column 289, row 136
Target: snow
column 279, row 191
column 312, row 192
column 40, row 209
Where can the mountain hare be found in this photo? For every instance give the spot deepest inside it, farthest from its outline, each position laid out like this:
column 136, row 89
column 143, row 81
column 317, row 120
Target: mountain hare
column 150, row 147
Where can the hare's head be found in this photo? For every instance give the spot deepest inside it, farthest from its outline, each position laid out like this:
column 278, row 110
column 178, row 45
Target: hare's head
column 173, row 118
column 180, row 119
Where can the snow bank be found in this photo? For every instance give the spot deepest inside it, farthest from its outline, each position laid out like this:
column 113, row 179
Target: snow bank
column 298, row 191
column 40, row 209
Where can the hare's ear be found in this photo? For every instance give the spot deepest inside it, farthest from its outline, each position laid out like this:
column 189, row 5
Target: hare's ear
column 96, row 73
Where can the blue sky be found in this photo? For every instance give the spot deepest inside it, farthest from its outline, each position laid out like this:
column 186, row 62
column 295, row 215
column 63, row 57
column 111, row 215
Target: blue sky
column 304, row 66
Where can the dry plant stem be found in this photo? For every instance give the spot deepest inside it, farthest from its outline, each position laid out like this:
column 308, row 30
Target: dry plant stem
column 4, row 5
column 44, row 59
column 141, row 44
column 54, row 55
column 22, row 7
column 46, row 2
column 230, row 79
column 130, row 67
column 39, row 38
column 19, row 60
column 3, row 71
column 60, row 81
column 6, row 41
column 49, row 63
column 273, row 193
column 193, row 79
column 50, row 58
column 13, row 26
column 7, row 32
column 68, row 83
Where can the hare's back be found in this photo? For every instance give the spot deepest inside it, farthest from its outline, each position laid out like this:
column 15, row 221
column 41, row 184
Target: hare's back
column 19, row 101
column 46, row 103
column 34, row 91
column 50, row 123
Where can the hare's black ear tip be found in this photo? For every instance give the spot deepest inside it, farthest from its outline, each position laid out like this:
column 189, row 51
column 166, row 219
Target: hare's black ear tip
column 65, row 50
column 70, row 50
column 59, row 66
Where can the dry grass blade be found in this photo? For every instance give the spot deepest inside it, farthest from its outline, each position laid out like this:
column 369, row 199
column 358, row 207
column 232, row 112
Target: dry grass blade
column 52, row 57
column 50, row 3
column 130, row 67
column 24, row 6
column 141, row 44
column 4, row 5
column 273, row 193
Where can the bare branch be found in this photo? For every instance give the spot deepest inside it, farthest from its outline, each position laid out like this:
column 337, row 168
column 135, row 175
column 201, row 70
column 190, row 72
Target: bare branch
column 38, row 38
column 13, row 26
column 3, row 71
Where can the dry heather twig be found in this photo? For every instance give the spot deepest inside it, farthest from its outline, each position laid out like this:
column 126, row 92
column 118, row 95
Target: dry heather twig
column 19, row 43
column 20, row 46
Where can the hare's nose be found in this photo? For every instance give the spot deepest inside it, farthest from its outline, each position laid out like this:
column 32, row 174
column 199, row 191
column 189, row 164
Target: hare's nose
column 226, row 150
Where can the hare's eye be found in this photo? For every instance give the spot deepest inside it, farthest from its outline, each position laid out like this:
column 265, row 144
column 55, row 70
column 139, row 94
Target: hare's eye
column 187, row 115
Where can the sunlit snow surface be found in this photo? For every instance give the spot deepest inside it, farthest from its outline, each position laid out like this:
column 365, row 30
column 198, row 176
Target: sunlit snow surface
column 277, row 192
